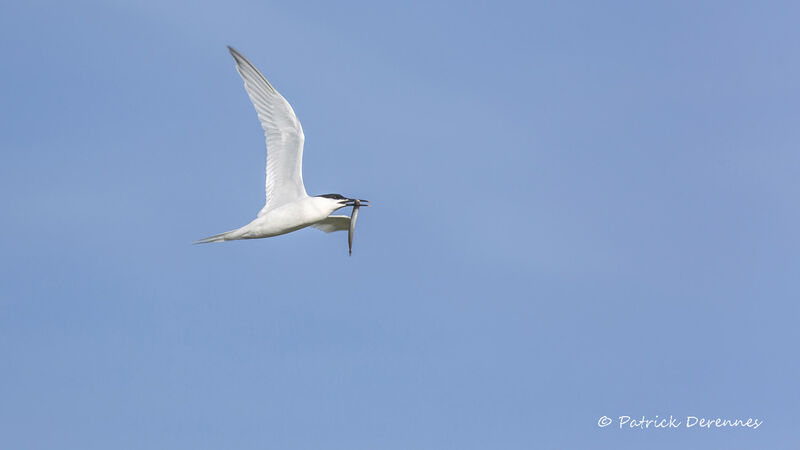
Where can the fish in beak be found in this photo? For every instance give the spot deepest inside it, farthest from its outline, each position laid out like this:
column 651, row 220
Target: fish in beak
column 353, row 217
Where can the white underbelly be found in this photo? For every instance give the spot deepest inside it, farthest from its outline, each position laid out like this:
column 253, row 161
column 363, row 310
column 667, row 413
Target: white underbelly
column 281, row 221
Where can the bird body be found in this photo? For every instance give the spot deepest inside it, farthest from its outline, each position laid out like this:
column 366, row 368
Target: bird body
column 284, row 219
column 288, row 207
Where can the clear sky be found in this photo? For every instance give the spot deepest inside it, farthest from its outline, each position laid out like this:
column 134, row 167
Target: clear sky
column 580, row 209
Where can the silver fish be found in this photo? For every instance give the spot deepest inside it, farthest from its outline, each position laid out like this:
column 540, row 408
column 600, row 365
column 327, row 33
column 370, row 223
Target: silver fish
column 353, row 218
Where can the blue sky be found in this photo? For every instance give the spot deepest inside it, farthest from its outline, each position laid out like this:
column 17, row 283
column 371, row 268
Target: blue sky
column 581, row 209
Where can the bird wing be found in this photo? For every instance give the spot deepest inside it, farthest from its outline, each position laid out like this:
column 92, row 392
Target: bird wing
column 333, row 223
column 283, row 133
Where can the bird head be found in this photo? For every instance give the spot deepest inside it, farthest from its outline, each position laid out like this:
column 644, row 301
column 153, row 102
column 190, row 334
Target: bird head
column 341, row 201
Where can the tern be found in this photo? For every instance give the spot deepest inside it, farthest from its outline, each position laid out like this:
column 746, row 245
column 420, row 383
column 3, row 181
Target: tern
column 288, row 207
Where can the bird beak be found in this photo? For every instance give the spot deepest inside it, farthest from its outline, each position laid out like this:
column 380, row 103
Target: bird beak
column 352, row 202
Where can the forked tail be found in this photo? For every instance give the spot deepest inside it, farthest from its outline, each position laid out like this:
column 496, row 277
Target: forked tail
column 226, row 236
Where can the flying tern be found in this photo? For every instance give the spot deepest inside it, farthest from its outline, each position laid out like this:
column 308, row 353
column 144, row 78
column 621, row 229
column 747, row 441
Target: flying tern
column 288, row 207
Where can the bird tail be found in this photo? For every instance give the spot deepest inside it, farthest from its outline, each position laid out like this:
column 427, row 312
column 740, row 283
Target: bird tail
column 226, row 236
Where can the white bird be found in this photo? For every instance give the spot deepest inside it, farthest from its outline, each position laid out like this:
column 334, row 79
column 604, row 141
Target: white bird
column 288, row 207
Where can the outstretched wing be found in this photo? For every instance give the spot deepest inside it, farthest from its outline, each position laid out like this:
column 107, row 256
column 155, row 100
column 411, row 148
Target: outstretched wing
column 333, row 223
column 284, row 136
